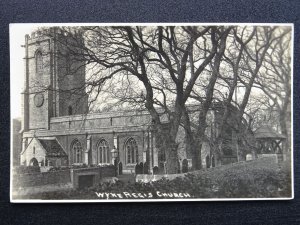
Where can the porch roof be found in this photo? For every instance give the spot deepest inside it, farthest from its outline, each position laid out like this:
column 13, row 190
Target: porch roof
column 53, row 148
column 266, row 131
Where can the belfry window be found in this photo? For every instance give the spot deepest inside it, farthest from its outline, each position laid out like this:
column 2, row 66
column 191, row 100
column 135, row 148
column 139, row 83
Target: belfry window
column 39, row 63
column 102, row 152
column 131, row 149
column 76, row 149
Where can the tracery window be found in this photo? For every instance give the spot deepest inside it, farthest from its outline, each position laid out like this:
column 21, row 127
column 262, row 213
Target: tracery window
column 77, row 152
column 102, row 152
column 131, row 149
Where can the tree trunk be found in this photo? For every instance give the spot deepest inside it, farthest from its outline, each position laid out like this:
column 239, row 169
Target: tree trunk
column 167, row 150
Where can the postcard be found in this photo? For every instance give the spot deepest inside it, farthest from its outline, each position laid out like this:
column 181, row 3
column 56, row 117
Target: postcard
column 151, row 112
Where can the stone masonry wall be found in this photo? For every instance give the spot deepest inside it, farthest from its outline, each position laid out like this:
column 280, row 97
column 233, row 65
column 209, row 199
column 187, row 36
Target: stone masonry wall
column 39, row 179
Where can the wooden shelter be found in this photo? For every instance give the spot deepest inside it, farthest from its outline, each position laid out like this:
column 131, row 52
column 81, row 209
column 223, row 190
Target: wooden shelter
column 269, row 141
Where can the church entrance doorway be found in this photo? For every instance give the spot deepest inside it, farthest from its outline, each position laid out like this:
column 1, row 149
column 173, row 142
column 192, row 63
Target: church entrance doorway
column 33, row 162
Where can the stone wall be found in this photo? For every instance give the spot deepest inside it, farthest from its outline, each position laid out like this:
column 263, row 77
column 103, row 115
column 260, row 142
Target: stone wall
column 39, row 179
column 96, row 175
column 61, row 177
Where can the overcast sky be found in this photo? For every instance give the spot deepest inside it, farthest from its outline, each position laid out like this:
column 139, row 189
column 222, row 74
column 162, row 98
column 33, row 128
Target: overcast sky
column 17, row 34
column 17, row 53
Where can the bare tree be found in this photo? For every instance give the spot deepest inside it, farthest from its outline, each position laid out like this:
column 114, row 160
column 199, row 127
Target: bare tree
column 275, row 78
column 163, row 69
column 180, row 53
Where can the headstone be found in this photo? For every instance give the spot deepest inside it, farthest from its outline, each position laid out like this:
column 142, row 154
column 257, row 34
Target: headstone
column 249, row 157
column 185, row 165
column 138, row 169
column 155, row 170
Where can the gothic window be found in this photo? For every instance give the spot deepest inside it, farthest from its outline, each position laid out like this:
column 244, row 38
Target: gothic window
column 102, row 152
column 131, row 149
column 77, row 151
column 39, row 63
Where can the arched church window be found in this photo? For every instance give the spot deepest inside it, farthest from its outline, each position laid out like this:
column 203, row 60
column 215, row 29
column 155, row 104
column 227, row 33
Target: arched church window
column 39, row 62
column 76, row 150
column 102, row 152
column 131, row 149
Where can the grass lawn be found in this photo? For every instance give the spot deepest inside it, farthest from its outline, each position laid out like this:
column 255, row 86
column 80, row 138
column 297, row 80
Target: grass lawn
column 261, row 178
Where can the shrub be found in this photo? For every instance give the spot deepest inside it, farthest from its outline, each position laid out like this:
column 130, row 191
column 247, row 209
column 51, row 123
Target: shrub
column 255, row 179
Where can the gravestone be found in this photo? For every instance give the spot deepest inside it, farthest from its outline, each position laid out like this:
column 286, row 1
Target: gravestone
column 138, row 168
column 185, row 167
column 249, row 157
column 155, row 170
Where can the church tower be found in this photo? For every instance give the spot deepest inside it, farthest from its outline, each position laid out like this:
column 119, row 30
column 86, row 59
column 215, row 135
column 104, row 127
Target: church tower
column 54, row 77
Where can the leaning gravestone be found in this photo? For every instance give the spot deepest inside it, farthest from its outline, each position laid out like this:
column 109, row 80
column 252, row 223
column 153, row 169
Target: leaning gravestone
column 185, row 167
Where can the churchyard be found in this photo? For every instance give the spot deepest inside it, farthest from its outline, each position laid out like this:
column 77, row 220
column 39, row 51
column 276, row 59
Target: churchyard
column 260, row 178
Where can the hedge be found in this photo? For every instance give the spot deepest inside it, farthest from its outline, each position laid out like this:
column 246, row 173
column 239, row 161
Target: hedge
column 257, row 179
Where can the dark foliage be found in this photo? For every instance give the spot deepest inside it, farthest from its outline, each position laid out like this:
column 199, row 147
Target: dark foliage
column 262, row 178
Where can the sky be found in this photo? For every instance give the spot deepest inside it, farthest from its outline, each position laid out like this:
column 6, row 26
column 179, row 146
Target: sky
column 17, row 34
column 17, row 53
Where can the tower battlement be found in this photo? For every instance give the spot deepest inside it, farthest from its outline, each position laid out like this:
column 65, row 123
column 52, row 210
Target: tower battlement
column 51, row 76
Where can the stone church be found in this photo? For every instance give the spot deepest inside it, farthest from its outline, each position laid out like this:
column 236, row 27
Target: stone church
column 58, row 131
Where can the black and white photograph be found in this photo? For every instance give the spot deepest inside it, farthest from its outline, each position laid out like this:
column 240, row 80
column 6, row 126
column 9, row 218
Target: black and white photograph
column 151, row 112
